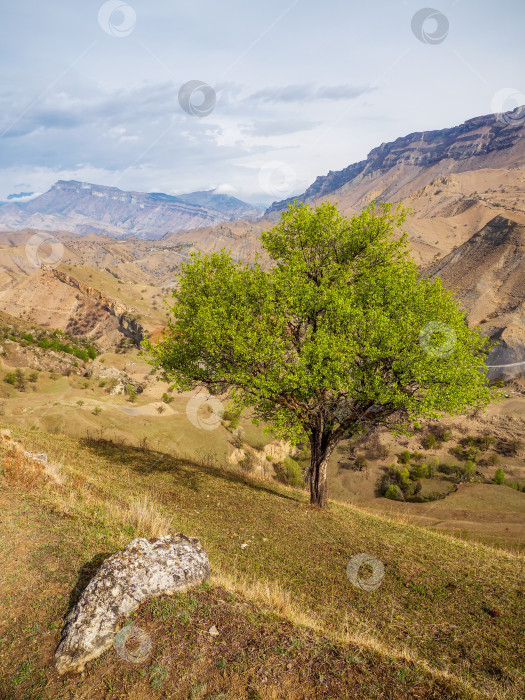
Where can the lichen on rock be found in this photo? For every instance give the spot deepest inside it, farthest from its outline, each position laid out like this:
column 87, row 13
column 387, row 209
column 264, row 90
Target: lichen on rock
column 145, row 568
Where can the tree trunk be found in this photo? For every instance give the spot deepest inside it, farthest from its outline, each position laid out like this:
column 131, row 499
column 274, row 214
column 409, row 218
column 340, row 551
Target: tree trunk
column 318, row 485
column 321, row 452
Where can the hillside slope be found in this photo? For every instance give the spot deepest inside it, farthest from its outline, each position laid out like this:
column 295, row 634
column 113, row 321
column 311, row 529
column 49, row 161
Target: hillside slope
column 449, row 607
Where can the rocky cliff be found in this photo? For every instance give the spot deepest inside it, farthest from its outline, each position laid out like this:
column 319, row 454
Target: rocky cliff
column 126, row 316
column 478, row 139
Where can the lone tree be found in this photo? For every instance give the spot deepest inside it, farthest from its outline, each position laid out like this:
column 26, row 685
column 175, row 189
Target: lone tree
column 337, row 335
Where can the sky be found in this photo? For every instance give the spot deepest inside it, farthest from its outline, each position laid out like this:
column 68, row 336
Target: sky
column 252, row 99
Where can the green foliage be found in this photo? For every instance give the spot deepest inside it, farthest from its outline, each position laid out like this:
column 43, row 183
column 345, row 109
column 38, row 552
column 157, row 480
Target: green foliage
column 430, row 441
column 289, row 472
column 32, row 377
column 404, row 457
column 493, row 459
column 486, row 442
column 97, row 411
column 10, row 378
column 394, row 493
column 338, row 324
column 499, row 477
column 467, row 471
column 167, row 398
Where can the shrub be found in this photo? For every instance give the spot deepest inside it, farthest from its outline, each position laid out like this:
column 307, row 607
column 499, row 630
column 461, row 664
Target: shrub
column 419, row 471
column 468, row 470
column 472, row 454
column 167, row 398
column 486, row 442
column 289, row 472
column 499, row 477
column 32, row 377
column 430, row 441
column 416, row 456
column 10, row 378
column 80, row 402
column 446, row 435
column 20, row 380
column 493, row 459
column 404, row 457
column 394, row 493
column 97, row 411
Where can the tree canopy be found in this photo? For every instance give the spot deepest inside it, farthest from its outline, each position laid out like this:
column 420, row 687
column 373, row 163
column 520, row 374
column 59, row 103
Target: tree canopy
column 334, row 333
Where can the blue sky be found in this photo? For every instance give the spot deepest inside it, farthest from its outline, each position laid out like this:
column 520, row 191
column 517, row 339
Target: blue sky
column 90, row 90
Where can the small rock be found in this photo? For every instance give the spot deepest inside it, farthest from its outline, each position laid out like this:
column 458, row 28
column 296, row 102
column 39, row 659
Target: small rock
column 213, row 631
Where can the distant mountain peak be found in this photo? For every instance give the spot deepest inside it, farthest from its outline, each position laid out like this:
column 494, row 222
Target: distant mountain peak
column 83, row 207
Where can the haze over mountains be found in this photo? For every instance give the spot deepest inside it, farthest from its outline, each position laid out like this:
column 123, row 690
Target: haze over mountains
column 83, row 208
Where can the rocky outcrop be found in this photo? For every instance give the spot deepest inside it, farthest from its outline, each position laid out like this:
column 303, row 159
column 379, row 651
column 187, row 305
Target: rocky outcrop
column 145, row 568
column 125, row 315
column 421, row 150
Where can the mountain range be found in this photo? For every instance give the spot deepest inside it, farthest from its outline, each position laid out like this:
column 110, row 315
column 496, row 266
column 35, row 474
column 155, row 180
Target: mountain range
column 464, row 186
column 82, row 208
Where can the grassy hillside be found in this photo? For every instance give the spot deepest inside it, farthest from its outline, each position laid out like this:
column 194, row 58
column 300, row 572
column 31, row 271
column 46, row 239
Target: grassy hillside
column 446, row 611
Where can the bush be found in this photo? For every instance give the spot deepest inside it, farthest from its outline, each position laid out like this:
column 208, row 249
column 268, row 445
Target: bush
column 32, row 377
column 467, row 471
column 472, row 454
column 499, row 477
column 10, row 378
column 419, row 471
column 416, row 456
column 167, row 398
column 430, row 441
column 486, row 442
column 289, row 472
column 493, row 459
column 446, row 435
column 97, row 411
column 394, row 493
column 404, row 457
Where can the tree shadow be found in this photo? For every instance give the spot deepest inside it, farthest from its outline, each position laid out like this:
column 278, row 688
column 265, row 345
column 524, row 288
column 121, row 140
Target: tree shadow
column 145, row 461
